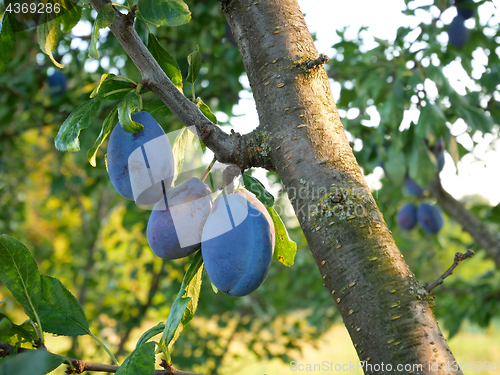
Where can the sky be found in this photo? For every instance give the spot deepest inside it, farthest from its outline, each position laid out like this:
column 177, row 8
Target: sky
column 477, row 173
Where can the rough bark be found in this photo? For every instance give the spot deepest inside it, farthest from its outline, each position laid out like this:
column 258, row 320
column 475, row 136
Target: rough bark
column 386, row 311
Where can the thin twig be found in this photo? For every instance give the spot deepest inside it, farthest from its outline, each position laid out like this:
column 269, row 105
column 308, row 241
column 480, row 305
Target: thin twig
column 81, row 366
column 459, row 257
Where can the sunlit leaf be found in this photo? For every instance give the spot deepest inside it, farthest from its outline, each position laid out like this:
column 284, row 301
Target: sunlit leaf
column 7, row 41
column 184, row 138
column 47, row 36
column 80, row 118
column 164, row 12
column 126, row 108
column 284, row 248
column 59, row 311
column 186, row 302
column 150, row 333
column 205, row 109
column 107, row 127
column 105, row 18
column 166, row 62
column 140, row 362
column 194, row 61
column 19, row 273
column 256, row 187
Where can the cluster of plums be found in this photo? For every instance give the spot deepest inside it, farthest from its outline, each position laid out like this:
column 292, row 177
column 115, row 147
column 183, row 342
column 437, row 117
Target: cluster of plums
column 458, row 34
column 235, row 232
column 427, row 215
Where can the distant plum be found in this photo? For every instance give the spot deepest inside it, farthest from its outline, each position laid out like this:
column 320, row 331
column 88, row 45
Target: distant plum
column 429, row 217
column 236, row 245
column 464, row 8
column 438, row 151
column 407, row 216
column 140, row 165
column 458, row 34
column 440, row 161
column 413, row 188
column 260, row 206
column 57, row 83
column 176, row 223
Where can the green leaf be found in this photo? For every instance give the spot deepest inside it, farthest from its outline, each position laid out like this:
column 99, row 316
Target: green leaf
column 72, row 15
column 422, row 163
column 140, row 362
column 164, row 12
column 19, row 273
column 59, row 311
column 127, row 106
column 32, row 362
column 105, row 18
column 256, row 187
column 47, row 36
column 157, row 109
column 7, row 41
column 150, row 333
column 186, row 302
column 9, row 329
column 431, row 122
column 205, row 109
column 194, row 61
column 184, row 138
column 80, row 118
column 395, row 165
column 477, row 119
column 166, row 62
column 107, row 127
column 284, row 248
column 110, row 83
column 5, row 328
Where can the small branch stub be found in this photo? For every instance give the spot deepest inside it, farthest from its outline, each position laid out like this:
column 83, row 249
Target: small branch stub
column 308, row 65
column 459, row 257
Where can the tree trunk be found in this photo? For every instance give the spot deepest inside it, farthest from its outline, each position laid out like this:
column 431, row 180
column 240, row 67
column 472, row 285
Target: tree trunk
column 388, row 315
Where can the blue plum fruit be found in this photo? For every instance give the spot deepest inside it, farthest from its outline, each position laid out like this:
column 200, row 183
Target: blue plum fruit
column 176, row 223
column 438, row 147
column 438, row 151
column 458, row 34
column 407, row 216
column 236, row 245
column 465, row 8
column 260, row 206
column 429, row 217
column 440, row 161
column 413, row 188
column 57, row 83
column 140, row 165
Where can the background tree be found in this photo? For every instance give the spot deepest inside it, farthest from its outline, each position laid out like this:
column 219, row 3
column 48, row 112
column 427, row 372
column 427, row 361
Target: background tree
column 111, row 240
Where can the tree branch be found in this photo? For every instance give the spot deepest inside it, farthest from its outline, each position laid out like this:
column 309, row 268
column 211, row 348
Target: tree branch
column 469, row 222
column 81, row 366
column 459, row 257
column 233, row 148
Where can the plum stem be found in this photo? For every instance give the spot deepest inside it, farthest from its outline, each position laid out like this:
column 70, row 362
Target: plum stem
column 209, row 169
